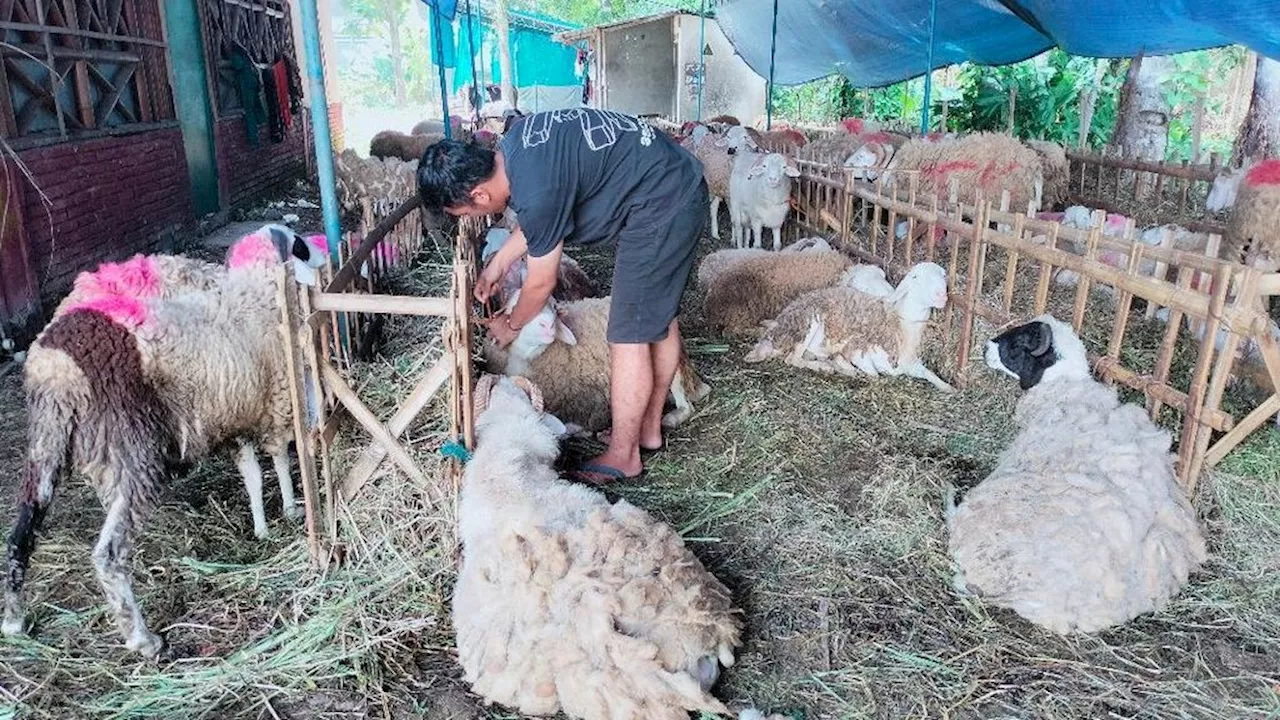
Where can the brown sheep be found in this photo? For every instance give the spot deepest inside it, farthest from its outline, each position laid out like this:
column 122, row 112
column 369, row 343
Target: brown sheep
column 757, row 288
column 1253, row 231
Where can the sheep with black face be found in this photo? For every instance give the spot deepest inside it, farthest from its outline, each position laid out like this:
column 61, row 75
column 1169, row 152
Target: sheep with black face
column 1082, row 524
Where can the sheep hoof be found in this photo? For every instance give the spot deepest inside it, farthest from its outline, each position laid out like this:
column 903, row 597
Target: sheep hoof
column 13, row 626
column 261, row 532
column 293, row 512
column 147, row 644
column 675, row 418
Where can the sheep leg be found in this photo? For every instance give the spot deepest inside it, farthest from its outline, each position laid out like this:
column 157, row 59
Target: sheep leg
column 757, row 234
column 684, row 408
column 715, row 216
column 280, row 459
column 251, row 471
column 36, row 494
column 844, row 367
column 112, row 557
column 917, row 369
column 777, row 239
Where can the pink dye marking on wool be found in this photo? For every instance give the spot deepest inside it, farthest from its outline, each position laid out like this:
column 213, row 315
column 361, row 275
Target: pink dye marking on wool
column 942, row 171
column 126, row 311
column 878, row 137
column 256, row 249
column 853, row 126
column 1266, row 172
column 138, row 276
column 1115, row 223
column 319, row 242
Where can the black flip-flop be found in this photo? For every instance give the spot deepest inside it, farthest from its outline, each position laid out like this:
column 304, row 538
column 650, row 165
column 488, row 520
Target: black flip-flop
column 644, row 451
column 583, row 472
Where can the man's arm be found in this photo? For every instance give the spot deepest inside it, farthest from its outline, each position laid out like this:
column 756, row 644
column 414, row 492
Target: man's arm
column 496, row 269
column 538, row 286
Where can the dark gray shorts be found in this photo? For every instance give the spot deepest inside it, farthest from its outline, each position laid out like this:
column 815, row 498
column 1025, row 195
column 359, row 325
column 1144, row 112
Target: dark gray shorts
column 651, row 271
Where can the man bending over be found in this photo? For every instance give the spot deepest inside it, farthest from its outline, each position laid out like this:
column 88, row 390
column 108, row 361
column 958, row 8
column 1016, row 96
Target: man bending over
column 585, row 176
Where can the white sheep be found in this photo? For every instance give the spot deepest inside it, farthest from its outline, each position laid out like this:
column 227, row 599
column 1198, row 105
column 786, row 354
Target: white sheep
column 1082, row 524
column 760, row 195
column 564, row 350
column 716, row 152
column 869, row 279
column 840, row 329
column 123, row 388
column 568, row 603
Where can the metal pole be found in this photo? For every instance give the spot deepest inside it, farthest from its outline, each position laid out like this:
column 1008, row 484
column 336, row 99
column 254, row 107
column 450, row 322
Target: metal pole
column 444, row 85
column 928, row 74
column 320, row 121
column 702, row 58
column 475, row 79
column 773, row 52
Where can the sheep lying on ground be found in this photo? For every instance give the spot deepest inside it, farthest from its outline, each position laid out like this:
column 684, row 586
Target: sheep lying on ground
column 568, row 603
column 757, row 288
column 564, row 350
column 124, row 388
column 1253, row 231
column 760, row 195
column 989, row 163
column 1082, row 524
column 716, row 263
column 840, row 329
column 869, row 279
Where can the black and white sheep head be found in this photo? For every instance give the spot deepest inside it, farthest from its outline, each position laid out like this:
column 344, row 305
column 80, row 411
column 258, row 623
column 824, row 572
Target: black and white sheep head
column 920, row 291
column 274, row 244
column 1044, row 349
column 775, row 168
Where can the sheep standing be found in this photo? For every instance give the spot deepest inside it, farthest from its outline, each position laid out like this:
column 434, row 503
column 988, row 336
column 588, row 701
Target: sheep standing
column 565, row 351
column 123, row 388
column 757, row 288
column 392, row 144
column 842, row 329
column 567, row 603
column 142, row 276
column 716, row 153
column 1253, row 231
column 1082, row 524
column 760, row 195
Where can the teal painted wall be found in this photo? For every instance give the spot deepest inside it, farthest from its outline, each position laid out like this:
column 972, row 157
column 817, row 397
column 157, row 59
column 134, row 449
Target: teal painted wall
column 191, row 99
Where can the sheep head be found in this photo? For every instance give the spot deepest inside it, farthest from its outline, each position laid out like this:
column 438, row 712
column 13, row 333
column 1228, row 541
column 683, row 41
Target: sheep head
column 923, row 289
column 773, row 167
column 535, row 337
column 737, row 138
column 273, row 244
column 1040, row 350
column 867, row 161
column 509, row 409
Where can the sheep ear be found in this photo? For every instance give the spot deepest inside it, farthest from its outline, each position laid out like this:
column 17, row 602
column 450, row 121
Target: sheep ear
column 792, row 170
column 756, row 168
column 563, row 333
column 1045, row 342
column 304, row 273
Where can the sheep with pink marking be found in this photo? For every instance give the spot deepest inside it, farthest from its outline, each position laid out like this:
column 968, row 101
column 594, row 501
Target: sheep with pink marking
column 1253, row 231
column 135, row 378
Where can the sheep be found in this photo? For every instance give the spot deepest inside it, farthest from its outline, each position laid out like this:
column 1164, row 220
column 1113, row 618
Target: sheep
column 436, row 127
column 565, row 351
column 392, row 144
column 783, row 140
column 716, row 155
column 568, row 603
column 1222, row 194
column 842, row 329
column 386, row 182
column 714, row 264
column 724, row 120
column 873, row 154
column 758, row 288
column 760, row 195
column 1252, row 235
column 1057, row 172
column 869, row 279
column 989, row 163
column 572, row 282
column 142, row 276
column 124, row 388
column 1082, row 524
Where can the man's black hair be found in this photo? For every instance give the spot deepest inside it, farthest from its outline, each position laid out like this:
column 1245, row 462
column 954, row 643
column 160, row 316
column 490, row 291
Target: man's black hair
column 449, row 170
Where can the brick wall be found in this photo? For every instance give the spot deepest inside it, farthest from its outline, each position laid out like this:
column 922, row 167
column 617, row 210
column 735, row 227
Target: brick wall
column 336, row 130
column 247, row 173
column 110, row 198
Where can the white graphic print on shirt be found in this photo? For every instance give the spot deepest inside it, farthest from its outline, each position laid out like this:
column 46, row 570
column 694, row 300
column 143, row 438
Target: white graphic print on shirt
column 600, row 128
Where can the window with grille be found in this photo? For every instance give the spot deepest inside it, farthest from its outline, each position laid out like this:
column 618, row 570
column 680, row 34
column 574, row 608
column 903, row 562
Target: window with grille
column 73, row 68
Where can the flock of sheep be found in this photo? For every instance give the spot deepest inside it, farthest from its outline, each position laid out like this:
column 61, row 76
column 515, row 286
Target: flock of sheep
column 566, row 602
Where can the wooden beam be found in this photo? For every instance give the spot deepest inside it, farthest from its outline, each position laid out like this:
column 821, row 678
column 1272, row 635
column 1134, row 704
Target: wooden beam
column 370, row 422
column 412, row 406
column 1203, row 173
column 127, row 39
column 387, row 304
column 301, row 433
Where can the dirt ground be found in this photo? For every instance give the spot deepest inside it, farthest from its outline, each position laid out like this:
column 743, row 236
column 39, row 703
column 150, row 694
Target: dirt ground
column 818, row 500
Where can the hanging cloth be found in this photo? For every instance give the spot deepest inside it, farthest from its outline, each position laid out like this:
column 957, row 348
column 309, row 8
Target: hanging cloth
column 281, row 72
column 249, row 85
column 295, row 85
column 275, row 124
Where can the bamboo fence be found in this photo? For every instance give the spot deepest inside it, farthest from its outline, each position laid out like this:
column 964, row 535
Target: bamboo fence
column 1151, row 191
column 325, row 328
column 900, row 225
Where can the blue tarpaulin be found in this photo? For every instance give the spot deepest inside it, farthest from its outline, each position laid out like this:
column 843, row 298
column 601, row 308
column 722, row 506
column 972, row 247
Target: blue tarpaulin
column 880, row 42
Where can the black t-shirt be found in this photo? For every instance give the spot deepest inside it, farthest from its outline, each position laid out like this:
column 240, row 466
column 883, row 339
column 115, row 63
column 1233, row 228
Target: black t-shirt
column 581, row 174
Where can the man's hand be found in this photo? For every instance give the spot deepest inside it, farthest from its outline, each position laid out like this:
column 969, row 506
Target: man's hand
column 500, row 330
column 488, row 281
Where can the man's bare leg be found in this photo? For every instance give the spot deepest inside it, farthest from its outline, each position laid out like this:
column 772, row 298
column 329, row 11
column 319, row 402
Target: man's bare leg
column 630, row 388
column 665, row 356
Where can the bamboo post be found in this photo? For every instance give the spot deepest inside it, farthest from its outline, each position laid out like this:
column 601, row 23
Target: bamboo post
column 911, row 219
column 893, row 222
column 953, row 265
column 1011, row 265
column 297, row 399
column 1083, row 282
column 1270, row 352
column 931, row 242
column 1164, row 359
column 875, row 215
column 1218, row 382
column 1162, row 267
column 972, row 289
column 1046, row 274
column 1124, row 298
column 1189, row 451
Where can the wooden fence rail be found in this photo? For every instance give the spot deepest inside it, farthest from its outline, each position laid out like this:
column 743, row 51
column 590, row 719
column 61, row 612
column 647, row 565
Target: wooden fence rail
column 1152, row 192
column 896, row 227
